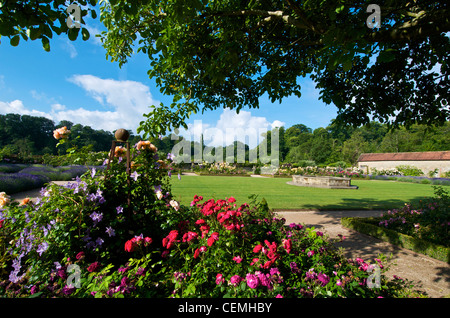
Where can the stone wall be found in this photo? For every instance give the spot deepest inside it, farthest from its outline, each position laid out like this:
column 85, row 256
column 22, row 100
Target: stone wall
column 322, row 182
column 425, row 165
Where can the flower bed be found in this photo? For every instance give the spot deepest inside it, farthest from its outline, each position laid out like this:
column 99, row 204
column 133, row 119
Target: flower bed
column 223, row 174
column 288, row 171
column 88, row 240
column 17, row 182
column 221, row 169
column 424, row 229
column 35, row 176
column 412, row 179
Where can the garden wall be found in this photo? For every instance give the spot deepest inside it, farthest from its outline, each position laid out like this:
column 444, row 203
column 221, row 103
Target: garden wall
column 426, row 166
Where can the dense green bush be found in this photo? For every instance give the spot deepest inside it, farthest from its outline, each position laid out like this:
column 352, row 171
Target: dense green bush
column 411, row 171
column 74, row 156
column 12, row 167
column 18, row 182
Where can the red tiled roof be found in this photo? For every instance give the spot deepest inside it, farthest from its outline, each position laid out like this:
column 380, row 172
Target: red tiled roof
column 405, row 156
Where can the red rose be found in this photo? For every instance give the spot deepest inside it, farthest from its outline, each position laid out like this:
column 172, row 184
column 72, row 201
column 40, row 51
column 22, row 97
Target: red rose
column 173, row 235
column 93, row 267
column 231, row 200
column 214, row 237
column 287, row 244
column 129, row 246
column 200, row 222
column 257, row 248
column 148, row 241
column 80, row 255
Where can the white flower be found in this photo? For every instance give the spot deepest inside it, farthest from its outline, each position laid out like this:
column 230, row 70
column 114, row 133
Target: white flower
column 171, row 156
column 135, row 175
column 174, row 205
column 159, row 195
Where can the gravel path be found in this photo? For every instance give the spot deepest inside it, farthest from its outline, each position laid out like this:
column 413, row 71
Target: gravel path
column 430, row 275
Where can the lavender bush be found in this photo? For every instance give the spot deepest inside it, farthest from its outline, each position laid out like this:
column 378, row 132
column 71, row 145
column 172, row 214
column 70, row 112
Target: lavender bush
column 413, row 179
column 17, row 182
column 12, row 167
column 35, row 176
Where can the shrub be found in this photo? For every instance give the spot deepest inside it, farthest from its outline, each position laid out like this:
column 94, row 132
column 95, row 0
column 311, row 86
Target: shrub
column 368, row 226
column 83, row 156
column 411, row 171
column 56, row 173
column 306, row 163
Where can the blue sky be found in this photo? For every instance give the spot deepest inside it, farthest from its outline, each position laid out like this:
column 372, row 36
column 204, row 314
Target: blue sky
column 75, row 82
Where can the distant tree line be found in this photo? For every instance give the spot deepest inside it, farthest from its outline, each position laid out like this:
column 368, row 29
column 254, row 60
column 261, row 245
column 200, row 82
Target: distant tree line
column 25, row 135
column 302, row 145
column 335, row 143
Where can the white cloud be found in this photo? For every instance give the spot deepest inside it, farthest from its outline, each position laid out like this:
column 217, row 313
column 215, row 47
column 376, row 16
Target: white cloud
column 57, row 107
column 69, row 48
column 231, row 126
column 93, row 31
column 277, row 124
column 124, row 103
column 17, row 107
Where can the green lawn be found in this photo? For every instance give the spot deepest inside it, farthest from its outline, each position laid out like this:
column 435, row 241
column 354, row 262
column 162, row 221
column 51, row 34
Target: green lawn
column 371, row 195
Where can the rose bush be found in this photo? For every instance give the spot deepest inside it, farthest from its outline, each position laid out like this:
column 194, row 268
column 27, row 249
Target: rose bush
column 85, row 240
column 429, row 220
column 220, row 249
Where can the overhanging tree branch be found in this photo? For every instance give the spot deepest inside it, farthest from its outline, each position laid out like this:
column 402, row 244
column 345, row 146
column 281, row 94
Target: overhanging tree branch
column 416, row 29
column 301, row 14
column 269, row 15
